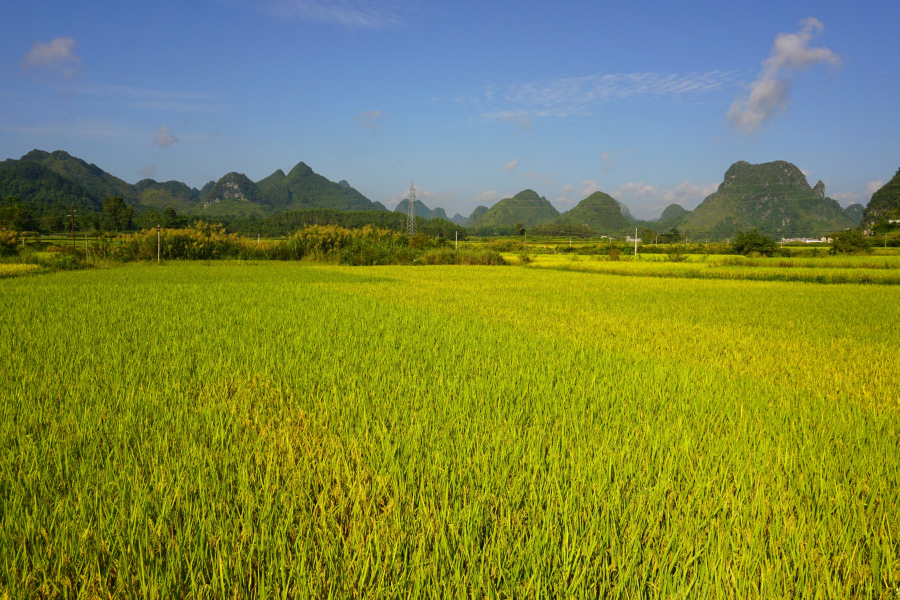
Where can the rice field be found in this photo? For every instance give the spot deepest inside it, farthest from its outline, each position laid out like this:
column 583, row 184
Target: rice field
column 12, row 269
column 882, row 270
column 296, row 430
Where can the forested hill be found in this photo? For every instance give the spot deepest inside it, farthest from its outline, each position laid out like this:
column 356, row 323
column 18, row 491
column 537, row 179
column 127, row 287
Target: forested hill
column 526, row 207
column 774, row 197
column 421, row 210
column 885, row 203
column 599, row 211
column 48, row 183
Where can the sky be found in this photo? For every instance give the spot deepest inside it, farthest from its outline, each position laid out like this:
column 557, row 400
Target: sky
column 650, row 102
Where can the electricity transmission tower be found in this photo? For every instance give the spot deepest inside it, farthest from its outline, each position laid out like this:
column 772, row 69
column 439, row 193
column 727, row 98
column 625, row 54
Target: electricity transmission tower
column 411, row 211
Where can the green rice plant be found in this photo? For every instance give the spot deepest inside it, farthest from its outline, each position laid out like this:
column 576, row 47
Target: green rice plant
column 259, row 429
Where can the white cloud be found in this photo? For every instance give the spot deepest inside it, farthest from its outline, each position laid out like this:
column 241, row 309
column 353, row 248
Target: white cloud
column 568, row 189
column 366, row 120
column 874, row 186
column 163, row 138
column 583, row 95
column 847, row 198
column 505, row 196
column 609, row 161
column 768, row 95
column 486, row 197
column 510, row 166
column 59, row 54
column 649, row 201
column 354, row 14
column 532, row 175
column 148, row 172
column 806, row 172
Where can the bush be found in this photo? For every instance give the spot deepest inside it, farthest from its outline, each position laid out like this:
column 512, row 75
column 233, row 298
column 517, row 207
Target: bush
column 8, row 242
column 676, row 255
column 448, row 256
column 613, row 254
column 752, row 241
column 850, row 240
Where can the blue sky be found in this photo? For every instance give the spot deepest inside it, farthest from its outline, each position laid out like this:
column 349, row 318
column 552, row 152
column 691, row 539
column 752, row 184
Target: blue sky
column 650, row 102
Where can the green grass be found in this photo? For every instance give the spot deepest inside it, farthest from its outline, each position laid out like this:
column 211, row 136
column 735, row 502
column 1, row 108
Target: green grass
column 292, row 430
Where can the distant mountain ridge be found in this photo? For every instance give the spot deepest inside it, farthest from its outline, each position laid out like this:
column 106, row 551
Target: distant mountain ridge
column 50, row 181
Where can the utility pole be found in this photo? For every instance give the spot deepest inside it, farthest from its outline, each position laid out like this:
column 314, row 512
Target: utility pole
column 157, row 244
column 86, row 249
column 457, row 240
column 73, row 226
column 257, row 239
column 411, row 211
column 635, row 243
column 525, row 247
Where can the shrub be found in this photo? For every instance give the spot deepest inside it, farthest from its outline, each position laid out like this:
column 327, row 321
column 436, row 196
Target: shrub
column 850, row 240
column 752, row 241
column 613, row 254
column 8, row 241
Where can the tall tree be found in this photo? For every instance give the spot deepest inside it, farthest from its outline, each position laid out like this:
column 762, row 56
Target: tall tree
column 117, row 214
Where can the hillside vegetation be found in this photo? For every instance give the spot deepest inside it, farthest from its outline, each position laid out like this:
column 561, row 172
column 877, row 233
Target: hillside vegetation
column 773, row 197
column 600, row 212
column 885, row 203
column 526, row 207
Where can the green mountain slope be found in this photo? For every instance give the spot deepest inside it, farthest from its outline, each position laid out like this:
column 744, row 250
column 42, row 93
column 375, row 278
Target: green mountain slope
column 855, row 212
column 773, row 197
column 459, row 220
column 599, row 211
column 671, row 218
column 159, row 195
column 421, row 210
column 98, row 183
column 43, row 190
column 303, row 189
column 233, row 186
column 885, row 203
column 525, row 207
column 476, row 215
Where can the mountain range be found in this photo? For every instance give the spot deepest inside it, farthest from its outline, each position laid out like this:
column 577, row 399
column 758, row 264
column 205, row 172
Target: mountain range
column 773, row 197
column 51, row 181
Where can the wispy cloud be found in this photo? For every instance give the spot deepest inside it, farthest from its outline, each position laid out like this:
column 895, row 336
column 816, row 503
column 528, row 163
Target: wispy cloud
column 354, row 14
column 86, row 129
column 768, row 95
column 510, row 166
column 430, row 199
column 58, row 54
column 520, row 118
column 874, row 186
column 577, row 96
column 486, row 197
column 148, row 172
column 149, row 99
column 609, row 161
column 163, row 137
column 860, row 197
column 366, row 120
